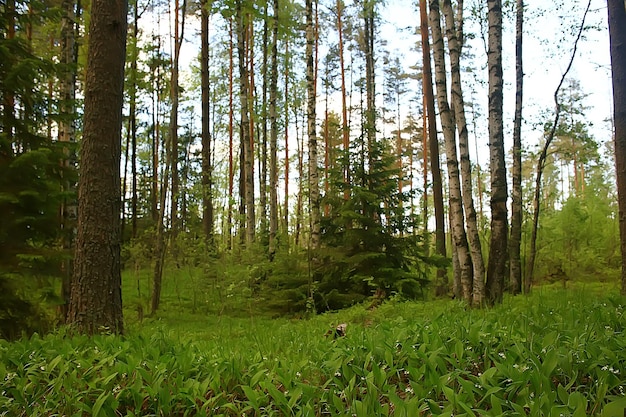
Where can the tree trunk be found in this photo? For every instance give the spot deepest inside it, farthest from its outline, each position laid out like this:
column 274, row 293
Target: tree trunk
column 542, row 161
column 263, row 190
column 286, row 211
column 273, row 134
column 515, row 264
column 370, row 82
column 231, row 127
column 447, row 122
column 617, row 23
column 246, row 134
column 67, row 134
column 344, row 107
column 179, row 27
column 207, row 169
column 454, row 33
column 314, row 191
column 433, row 148
column 96, row 298
column 499, row 222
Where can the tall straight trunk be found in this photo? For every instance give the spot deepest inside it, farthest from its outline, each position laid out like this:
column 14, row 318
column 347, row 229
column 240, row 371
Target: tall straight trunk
column 345, row 131
column 457, row 226
column 454, row 33
column 617, row 23
column 247, row 181
column 299, row 198
column 133, row 119
column 96, row 297
column 68, row 209
column 542, row 160
column 156, row 139
column 496, row 267
column 249, row 161
column 433, row 148
column 207, row 169
column 515, row 263
column 370, row 84
column 231, row 123
column 8, row 99
column 179, row 28
column 286, row 211
column 263, row 191
column 314, row 191
column 273, row 116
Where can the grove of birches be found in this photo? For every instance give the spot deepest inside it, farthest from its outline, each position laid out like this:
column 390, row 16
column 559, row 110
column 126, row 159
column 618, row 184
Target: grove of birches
column 293, row 157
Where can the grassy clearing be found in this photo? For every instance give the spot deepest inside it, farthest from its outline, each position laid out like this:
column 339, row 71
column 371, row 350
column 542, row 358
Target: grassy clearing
column 555, row 353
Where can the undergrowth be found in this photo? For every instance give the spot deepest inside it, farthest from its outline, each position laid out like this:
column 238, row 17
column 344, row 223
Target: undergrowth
column 553, row 353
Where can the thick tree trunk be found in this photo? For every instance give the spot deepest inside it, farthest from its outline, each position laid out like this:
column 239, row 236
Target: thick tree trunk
column 96, row 298
column 515, row 263
column 496, row 267
column 433, row 148
column 314, row 191
column 617, row 23
column 454, row 33
column 457, row 226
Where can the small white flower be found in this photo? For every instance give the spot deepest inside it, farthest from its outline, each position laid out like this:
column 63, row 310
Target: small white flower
column 409, row 390
column 298, row 374
column 338, row 374
column 502, row 355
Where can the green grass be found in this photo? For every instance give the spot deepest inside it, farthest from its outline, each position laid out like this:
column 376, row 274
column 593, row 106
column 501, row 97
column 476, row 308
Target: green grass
column 557, row 352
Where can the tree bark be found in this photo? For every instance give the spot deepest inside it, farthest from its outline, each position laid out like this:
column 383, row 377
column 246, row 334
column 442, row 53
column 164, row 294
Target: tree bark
column 499, row 222
column 344, row 107
column 433, row 148
column 68, row 209
column 273, row 116
column 314, row 191
column 515, row 264
column 447, row 121
column 454, row 32
column 617, row 23
column 96, row 298
column 207, row 169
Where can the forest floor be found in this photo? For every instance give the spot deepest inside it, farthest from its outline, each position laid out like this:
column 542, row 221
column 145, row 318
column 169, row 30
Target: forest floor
column 555, row 352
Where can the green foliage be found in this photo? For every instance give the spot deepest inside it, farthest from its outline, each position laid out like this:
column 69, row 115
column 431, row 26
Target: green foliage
column 554, row 353
column 369, row 241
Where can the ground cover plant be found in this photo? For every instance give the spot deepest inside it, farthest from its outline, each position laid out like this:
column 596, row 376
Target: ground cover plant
column 557, row 352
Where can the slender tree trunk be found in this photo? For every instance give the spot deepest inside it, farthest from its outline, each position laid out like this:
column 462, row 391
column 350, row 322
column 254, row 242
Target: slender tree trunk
column 314, row 191
column 433, row 147
column 263, row 190
column 454, row 32
column 96, row 297
column 515, row 264
column 68, row 209
column 231, row 123
column 496, row 267
column 286, row 213
column 370, row 84
column 8, row 99
column 345, row 131
column 133, row 119
column 249, row 154
column 447, row 121
column 207, row 168
column 246, row 149
column 542, row 160
column 179, row 28
column 273, row 115
column 617, row 23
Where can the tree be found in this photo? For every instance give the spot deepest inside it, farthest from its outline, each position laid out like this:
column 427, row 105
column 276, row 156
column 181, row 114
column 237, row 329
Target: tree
column 499, row 221
column 541, row 163
column 273, row 116
column 314, row 191
column 454, row 33
column 207, row 168
column 433, row 147
column 448, row 124
column 96, row 297
column 515, row 265
column 617, row 23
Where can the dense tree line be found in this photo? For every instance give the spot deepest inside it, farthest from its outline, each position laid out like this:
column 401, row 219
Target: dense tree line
column 234, row 158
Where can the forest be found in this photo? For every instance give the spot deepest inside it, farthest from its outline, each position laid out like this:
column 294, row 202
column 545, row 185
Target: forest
column 193, row 191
